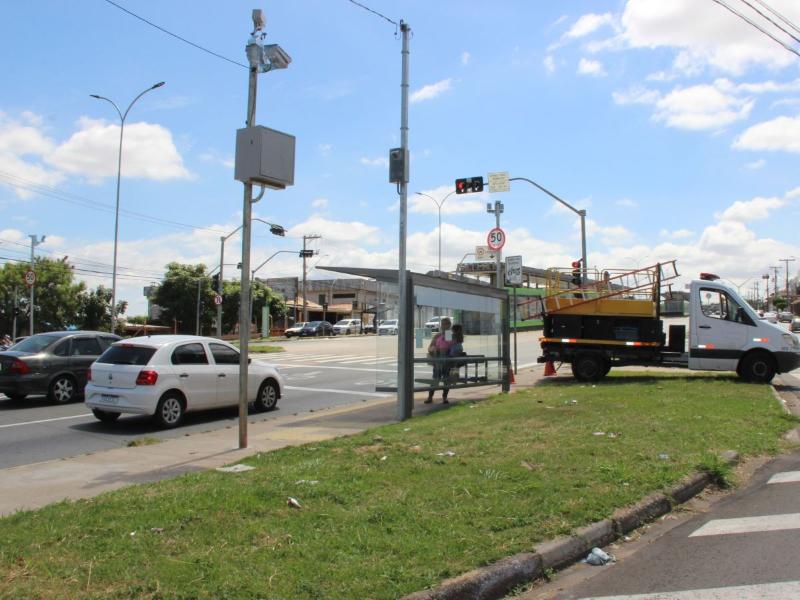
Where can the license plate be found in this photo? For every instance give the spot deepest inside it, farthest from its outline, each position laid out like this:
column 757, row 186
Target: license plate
column 109, row 399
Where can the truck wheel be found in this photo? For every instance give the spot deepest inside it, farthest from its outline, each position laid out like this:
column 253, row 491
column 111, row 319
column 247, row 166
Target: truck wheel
column 758, row 367
column 589, row 367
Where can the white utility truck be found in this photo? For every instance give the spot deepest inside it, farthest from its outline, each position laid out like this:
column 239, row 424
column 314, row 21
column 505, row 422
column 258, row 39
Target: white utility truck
column 614, row 319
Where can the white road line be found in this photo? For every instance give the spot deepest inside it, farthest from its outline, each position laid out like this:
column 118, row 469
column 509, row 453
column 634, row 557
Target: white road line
column 358, row 361
column 45, row 420
column 296, row 366
column 765, row 591
column 749, row 525
column 786, row 477
column 329, row 391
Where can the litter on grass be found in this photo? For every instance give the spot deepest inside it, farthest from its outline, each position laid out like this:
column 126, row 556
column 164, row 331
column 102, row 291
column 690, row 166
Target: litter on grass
column 306, row 482
column 663, row 456
column 235, row 469
column 293, row 503
column 448, row 453
column 598, row 558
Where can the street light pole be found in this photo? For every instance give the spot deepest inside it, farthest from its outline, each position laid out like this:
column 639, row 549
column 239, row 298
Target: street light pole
column 439, row 207
column 786, row 261
column 122, row 117
column 580, row 212
column 304, row 254
column 35, row 241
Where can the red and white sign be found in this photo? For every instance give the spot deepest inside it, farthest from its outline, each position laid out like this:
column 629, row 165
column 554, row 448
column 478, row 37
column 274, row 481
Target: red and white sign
column 30, row 277
column 217, row 299
column 496, row 239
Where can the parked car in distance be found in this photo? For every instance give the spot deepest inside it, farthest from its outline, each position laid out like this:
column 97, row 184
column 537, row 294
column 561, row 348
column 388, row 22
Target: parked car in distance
column 770, row 316
column 55, row 364
column 388, row 327
column 294, row 329
column 316, row 328
column 433, row 325
column 347, row 326
column 785, row 317
column 167, row 376
column 795, row 324
column 369, row 327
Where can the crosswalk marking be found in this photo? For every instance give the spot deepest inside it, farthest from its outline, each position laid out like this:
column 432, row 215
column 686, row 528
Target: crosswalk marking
column 749, row 525
column 786, row 477
column 765, row 591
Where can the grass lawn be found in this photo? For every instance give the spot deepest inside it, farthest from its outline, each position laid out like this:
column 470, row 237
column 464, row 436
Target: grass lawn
column 398, row 508
column 265, row 349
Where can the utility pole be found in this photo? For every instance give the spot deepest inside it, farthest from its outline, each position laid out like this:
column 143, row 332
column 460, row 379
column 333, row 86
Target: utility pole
column 775, row 284
column 786, row 261
column 497, row 209
column 14, row 312
column 304, row 253
column 35, row 241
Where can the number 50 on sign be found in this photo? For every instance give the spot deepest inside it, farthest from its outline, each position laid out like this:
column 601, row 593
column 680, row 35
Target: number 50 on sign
column 496, row 239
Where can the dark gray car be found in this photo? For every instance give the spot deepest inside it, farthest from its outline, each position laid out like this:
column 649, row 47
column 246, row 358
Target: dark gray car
column 55, row 364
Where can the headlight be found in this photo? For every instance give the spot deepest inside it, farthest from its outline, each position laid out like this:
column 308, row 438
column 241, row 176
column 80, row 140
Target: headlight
column 791, row 340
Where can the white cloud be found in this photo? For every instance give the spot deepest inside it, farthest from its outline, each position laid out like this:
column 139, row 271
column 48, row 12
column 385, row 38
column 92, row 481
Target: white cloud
column 701, row 107
column 148, row 152
column 465, row 58
column 756, row 164
column 678, row 234
column 750, row 210
column 636, row 95
column 781, row 133
column 591, row 67
column 453, row 204
column 319, row 203
column 549, row 63
column 705, row 34
column 324, row 149
column 627, row 203
column 380, row 161
column 588, row 24
column 430, row 91
column 22, row 146
column 337, row 232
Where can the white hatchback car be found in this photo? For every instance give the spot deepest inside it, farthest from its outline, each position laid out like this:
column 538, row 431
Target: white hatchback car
column 167, row 376
column 347, row 326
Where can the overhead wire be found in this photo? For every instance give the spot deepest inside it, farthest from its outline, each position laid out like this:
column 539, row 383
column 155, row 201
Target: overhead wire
column 779, row 15
column 754, row 24
column 771, row 20
column 176, row 36
column 375, row 12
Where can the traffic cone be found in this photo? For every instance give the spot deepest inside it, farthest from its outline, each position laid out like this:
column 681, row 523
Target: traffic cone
column 511, row 379
column 549, row 369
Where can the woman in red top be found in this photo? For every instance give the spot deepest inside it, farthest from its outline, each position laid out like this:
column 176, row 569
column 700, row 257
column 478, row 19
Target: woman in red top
column 439, row 348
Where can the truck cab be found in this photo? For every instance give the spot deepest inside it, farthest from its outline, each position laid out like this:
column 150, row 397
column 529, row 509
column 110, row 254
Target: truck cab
column 725, row 334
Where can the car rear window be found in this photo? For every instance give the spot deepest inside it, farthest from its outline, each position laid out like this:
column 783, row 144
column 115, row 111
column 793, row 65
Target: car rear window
column 127, row 355
column 36, row 343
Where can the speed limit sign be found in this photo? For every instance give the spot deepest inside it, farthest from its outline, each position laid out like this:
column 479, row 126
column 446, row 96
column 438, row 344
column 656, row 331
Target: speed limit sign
column 30, row 277
column 496, row 239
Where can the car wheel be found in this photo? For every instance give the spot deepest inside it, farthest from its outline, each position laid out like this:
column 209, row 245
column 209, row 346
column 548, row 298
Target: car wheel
column 105, row 416
column 169, row 412
column 62, row 389
column 17, row 397
column 588, row 367
column 267, row 397
column 758, row 367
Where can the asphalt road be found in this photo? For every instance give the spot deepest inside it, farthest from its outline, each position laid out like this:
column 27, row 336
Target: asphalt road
column 319, row 373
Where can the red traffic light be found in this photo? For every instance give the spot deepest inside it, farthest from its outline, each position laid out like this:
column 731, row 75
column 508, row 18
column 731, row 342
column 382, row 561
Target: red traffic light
column 469, row 184
column 576, row 264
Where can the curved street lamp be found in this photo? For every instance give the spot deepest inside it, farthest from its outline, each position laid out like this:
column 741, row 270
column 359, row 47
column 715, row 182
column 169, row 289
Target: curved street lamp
column 439, row 207
column 122, row 117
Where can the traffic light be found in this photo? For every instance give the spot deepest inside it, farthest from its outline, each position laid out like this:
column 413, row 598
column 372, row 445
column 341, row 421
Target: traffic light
column 469, row 184
column 306, row 253
column 576, row 272
column 215, row 281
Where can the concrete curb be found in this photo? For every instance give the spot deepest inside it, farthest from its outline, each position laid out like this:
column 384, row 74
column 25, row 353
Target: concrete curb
column 498, row 579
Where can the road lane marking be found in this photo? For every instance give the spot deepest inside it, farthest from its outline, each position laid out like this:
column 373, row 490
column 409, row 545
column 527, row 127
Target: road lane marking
column 45, row 420
column 330, row 391
column 296, row 366
column 764, row 591
column 786, row 477
column 749, row 525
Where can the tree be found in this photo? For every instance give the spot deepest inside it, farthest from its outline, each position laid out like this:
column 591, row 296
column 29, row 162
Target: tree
column 780, row 303
column 177, row 296
column 262, row 295
column 58, row 300
column 96, row 309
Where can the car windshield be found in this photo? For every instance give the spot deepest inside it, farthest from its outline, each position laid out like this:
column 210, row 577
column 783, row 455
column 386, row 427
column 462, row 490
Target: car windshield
column 36, row 343
column 343, row 322
column 312, row 324
column 126, row 355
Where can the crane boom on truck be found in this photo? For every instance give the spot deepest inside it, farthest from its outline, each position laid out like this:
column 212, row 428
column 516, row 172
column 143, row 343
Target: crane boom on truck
column 614, row 319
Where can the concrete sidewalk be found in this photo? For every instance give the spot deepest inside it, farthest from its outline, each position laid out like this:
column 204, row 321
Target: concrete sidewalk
column 36, row 485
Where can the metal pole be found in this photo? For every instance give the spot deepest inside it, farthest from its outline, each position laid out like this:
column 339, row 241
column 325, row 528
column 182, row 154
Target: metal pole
column 405, row 388
column 515, row 328
column 219, row 284
column 439, row 206
column 30, row 306
column 582, row 213
column 786, row 261
column 305, row 302
column 244, row 295
column 197, row 309
column 498, row 275
column 116, row 232
column 14, row 316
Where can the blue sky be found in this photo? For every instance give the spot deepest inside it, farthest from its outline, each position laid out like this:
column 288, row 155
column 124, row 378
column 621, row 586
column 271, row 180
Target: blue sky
column 674, row 124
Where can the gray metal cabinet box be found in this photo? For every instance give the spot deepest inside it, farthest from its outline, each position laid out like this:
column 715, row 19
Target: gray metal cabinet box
column 264, row 157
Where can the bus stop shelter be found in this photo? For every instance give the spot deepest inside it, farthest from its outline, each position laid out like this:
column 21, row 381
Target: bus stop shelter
column 481, row 310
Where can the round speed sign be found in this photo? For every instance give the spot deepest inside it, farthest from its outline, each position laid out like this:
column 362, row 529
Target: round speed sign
column 30, row 277
column 496, row 239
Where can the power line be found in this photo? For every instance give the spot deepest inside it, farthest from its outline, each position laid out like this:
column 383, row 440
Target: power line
column 368, row 9
column 768, row 18
column 761, row 29
column 779, row 15
column 176, row 36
